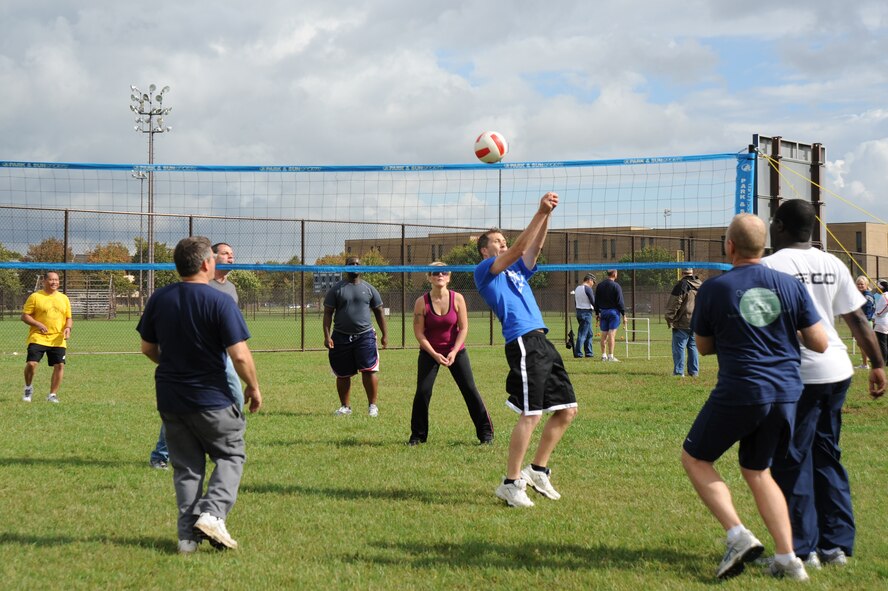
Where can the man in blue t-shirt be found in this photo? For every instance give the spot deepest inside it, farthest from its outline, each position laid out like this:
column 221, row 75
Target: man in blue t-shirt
column 187, row 328
column 537, row 381
column 750, row 317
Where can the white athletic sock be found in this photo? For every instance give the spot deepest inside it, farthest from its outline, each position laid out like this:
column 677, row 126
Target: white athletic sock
column 735, row 531
column 784, row 559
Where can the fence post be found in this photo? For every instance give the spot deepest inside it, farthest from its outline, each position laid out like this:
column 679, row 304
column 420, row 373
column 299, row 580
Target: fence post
column 302, row 285
column 404, row 276
column 65, row 254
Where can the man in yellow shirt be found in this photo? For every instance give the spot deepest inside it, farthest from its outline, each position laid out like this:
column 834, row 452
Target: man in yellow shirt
column 48, row 313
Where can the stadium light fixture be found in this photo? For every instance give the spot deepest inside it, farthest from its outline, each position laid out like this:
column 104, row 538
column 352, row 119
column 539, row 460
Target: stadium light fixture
column 150, row 113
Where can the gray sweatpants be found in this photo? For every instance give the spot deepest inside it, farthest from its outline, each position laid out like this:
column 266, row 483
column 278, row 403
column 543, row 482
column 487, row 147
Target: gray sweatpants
column 192, row 437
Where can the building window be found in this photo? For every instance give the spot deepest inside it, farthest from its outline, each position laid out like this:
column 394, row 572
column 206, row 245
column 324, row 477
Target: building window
column 643, row 240
column 604, row 248
column 576, row 250
column 613, row 248
column 409, row 254
column 723, row 245
column 858, row 240
column 651, row 242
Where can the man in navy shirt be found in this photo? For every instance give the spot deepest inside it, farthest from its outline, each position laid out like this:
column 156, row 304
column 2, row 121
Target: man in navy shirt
column 187, row 329
column 537, row 381
column 610, row 310
column 750, row 317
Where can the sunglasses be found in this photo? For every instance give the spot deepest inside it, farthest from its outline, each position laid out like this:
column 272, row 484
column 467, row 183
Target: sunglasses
column 440, row 273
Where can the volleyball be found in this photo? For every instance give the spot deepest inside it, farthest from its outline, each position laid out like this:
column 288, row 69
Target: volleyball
column 490, row 147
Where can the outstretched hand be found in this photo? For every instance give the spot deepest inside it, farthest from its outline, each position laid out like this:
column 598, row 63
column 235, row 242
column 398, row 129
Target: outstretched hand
column 548, row 202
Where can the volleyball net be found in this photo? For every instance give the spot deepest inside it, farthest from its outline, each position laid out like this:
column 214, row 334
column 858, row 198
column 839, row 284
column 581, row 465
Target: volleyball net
column 110, row 229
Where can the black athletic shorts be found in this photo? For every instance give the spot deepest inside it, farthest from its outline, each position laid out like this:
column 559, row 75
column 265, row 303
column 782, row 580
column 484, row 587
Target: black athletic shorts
column 537, row 381
column 53, row 354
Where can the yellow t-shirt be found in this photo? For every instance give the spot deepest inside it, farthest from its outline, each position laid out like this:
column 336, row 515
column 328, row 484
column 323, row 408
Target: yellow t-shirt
column 53, row 311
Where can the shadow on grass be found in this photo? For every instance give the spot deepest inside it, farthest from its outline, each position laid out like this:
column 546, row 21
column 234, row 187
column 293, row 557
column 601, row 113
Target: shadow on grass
column 355, row 494
column 483, row 554
column 62, row 462
column 165, row 545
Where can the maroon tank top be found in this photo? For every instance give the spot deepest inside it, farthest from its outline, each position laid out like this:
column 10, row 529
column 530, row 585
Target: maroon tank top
column 441, row 329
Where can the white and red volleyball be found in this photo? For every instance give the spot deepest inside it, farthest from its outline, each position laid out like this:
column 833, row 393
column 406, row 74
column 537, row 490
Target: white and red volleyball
column 491, row 146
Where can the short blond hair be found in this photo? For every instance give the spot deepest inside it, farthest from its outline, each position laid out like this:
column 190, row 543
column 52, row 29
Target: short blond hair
column 748, row 233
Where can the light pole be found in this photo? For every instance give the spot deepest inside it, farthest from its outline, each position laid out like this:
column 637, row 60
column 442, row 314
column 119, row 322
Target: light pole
column 150, row 110
column 141, row 175
column 666, row 214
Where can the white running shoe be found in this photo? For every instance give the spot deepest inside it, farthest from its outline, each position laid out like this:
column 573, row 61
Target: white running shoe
column 29, row 391
column 514, row 494
column 52, row 398
column 745, row 548
column 614, row 359
column 343, row 411
column 188, row 546
column 539, row 481
column 813, row 561
column 835, row 557
column 795, row 570
column 373, row 411
column 214, row 529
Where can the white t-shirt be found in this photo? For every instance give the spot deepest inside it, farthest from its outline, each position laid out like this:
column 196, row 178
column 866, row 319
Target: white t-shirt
column 832, row 288
column 880, row 318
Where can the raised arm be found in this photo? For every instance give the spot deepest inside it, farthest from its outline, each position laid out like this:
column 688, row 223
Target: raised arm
column 530, row 242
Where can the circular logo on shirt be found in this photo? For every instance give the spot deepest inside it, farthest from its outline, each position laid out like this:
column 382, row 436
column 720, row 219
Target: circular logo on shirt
column 759, row 306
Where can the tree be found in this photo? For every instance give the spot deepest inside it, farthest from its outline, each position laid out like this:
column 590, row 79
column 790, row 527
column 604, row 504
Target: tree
column 162, row 254
column 282, row 287
column 10, row 284
column 50, row 250
column 113, row 252
column 247, row 283
column 658, row 278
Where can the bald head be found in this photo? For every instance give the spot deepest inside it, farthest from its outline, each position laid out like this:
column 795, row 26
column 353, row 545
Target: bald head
column 747, row 233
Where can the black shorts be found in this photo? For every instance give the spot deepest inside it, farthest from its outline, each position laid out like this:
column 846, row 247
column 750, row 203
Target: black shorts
column 53, row 354
column 353, row 353
column 537, row 381
column 763, row 430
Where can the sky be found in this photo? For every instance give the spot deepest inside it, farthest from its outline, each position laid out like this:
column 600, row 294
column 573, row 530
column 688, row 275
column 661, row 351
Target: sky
column 376, row 82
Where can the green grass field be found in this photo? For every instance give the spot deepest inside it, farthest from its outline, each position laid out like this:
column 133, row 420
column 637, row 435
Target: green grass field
column 342, row 502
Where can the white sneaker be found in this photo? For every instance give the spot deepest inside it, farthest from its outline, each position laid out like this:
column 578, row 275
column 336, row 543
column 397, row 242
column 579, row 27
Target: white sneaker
column 614, row 359
column 188, row 546
column 604, row 356
column 52, row 398
column 29, row 391
column 795, row 570
column 745, row 548
column 373, row 410
column 342, row 411
column 813, row 561
column 514, row 494
column 835, row 557
column 214, row 529
column 539, row 481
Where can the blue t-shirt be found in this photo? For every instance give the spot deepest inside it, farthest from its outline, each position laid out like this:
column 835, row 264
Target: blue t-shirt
column 193, row 324
column 351, row 303
column 510, row 297
column 754, row 312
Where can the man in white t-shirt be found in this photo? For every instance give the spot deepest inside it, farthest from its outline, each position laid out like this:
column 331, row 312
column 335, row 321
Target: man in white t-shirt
column 811, row 475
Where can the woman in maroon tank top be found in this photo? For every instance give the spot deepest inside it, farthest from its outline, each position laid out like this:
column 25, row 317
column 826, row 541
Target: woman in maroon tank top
column 441, row 324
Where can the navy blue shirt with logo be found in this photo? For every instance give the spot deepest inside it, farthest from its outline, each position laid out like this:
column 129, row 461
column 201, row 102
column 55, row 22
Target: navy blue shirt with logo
column 193, row 324
column 754, row 312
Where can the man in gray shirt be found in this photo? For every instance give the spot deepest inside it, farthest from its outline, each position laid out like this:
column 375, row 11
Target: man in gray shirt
column 352, row 343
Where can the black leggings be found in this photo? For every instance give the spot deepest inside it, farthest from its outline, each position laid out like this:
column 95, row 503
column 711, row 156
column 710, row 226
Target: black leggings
column 461, row 370
column 882, row 338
